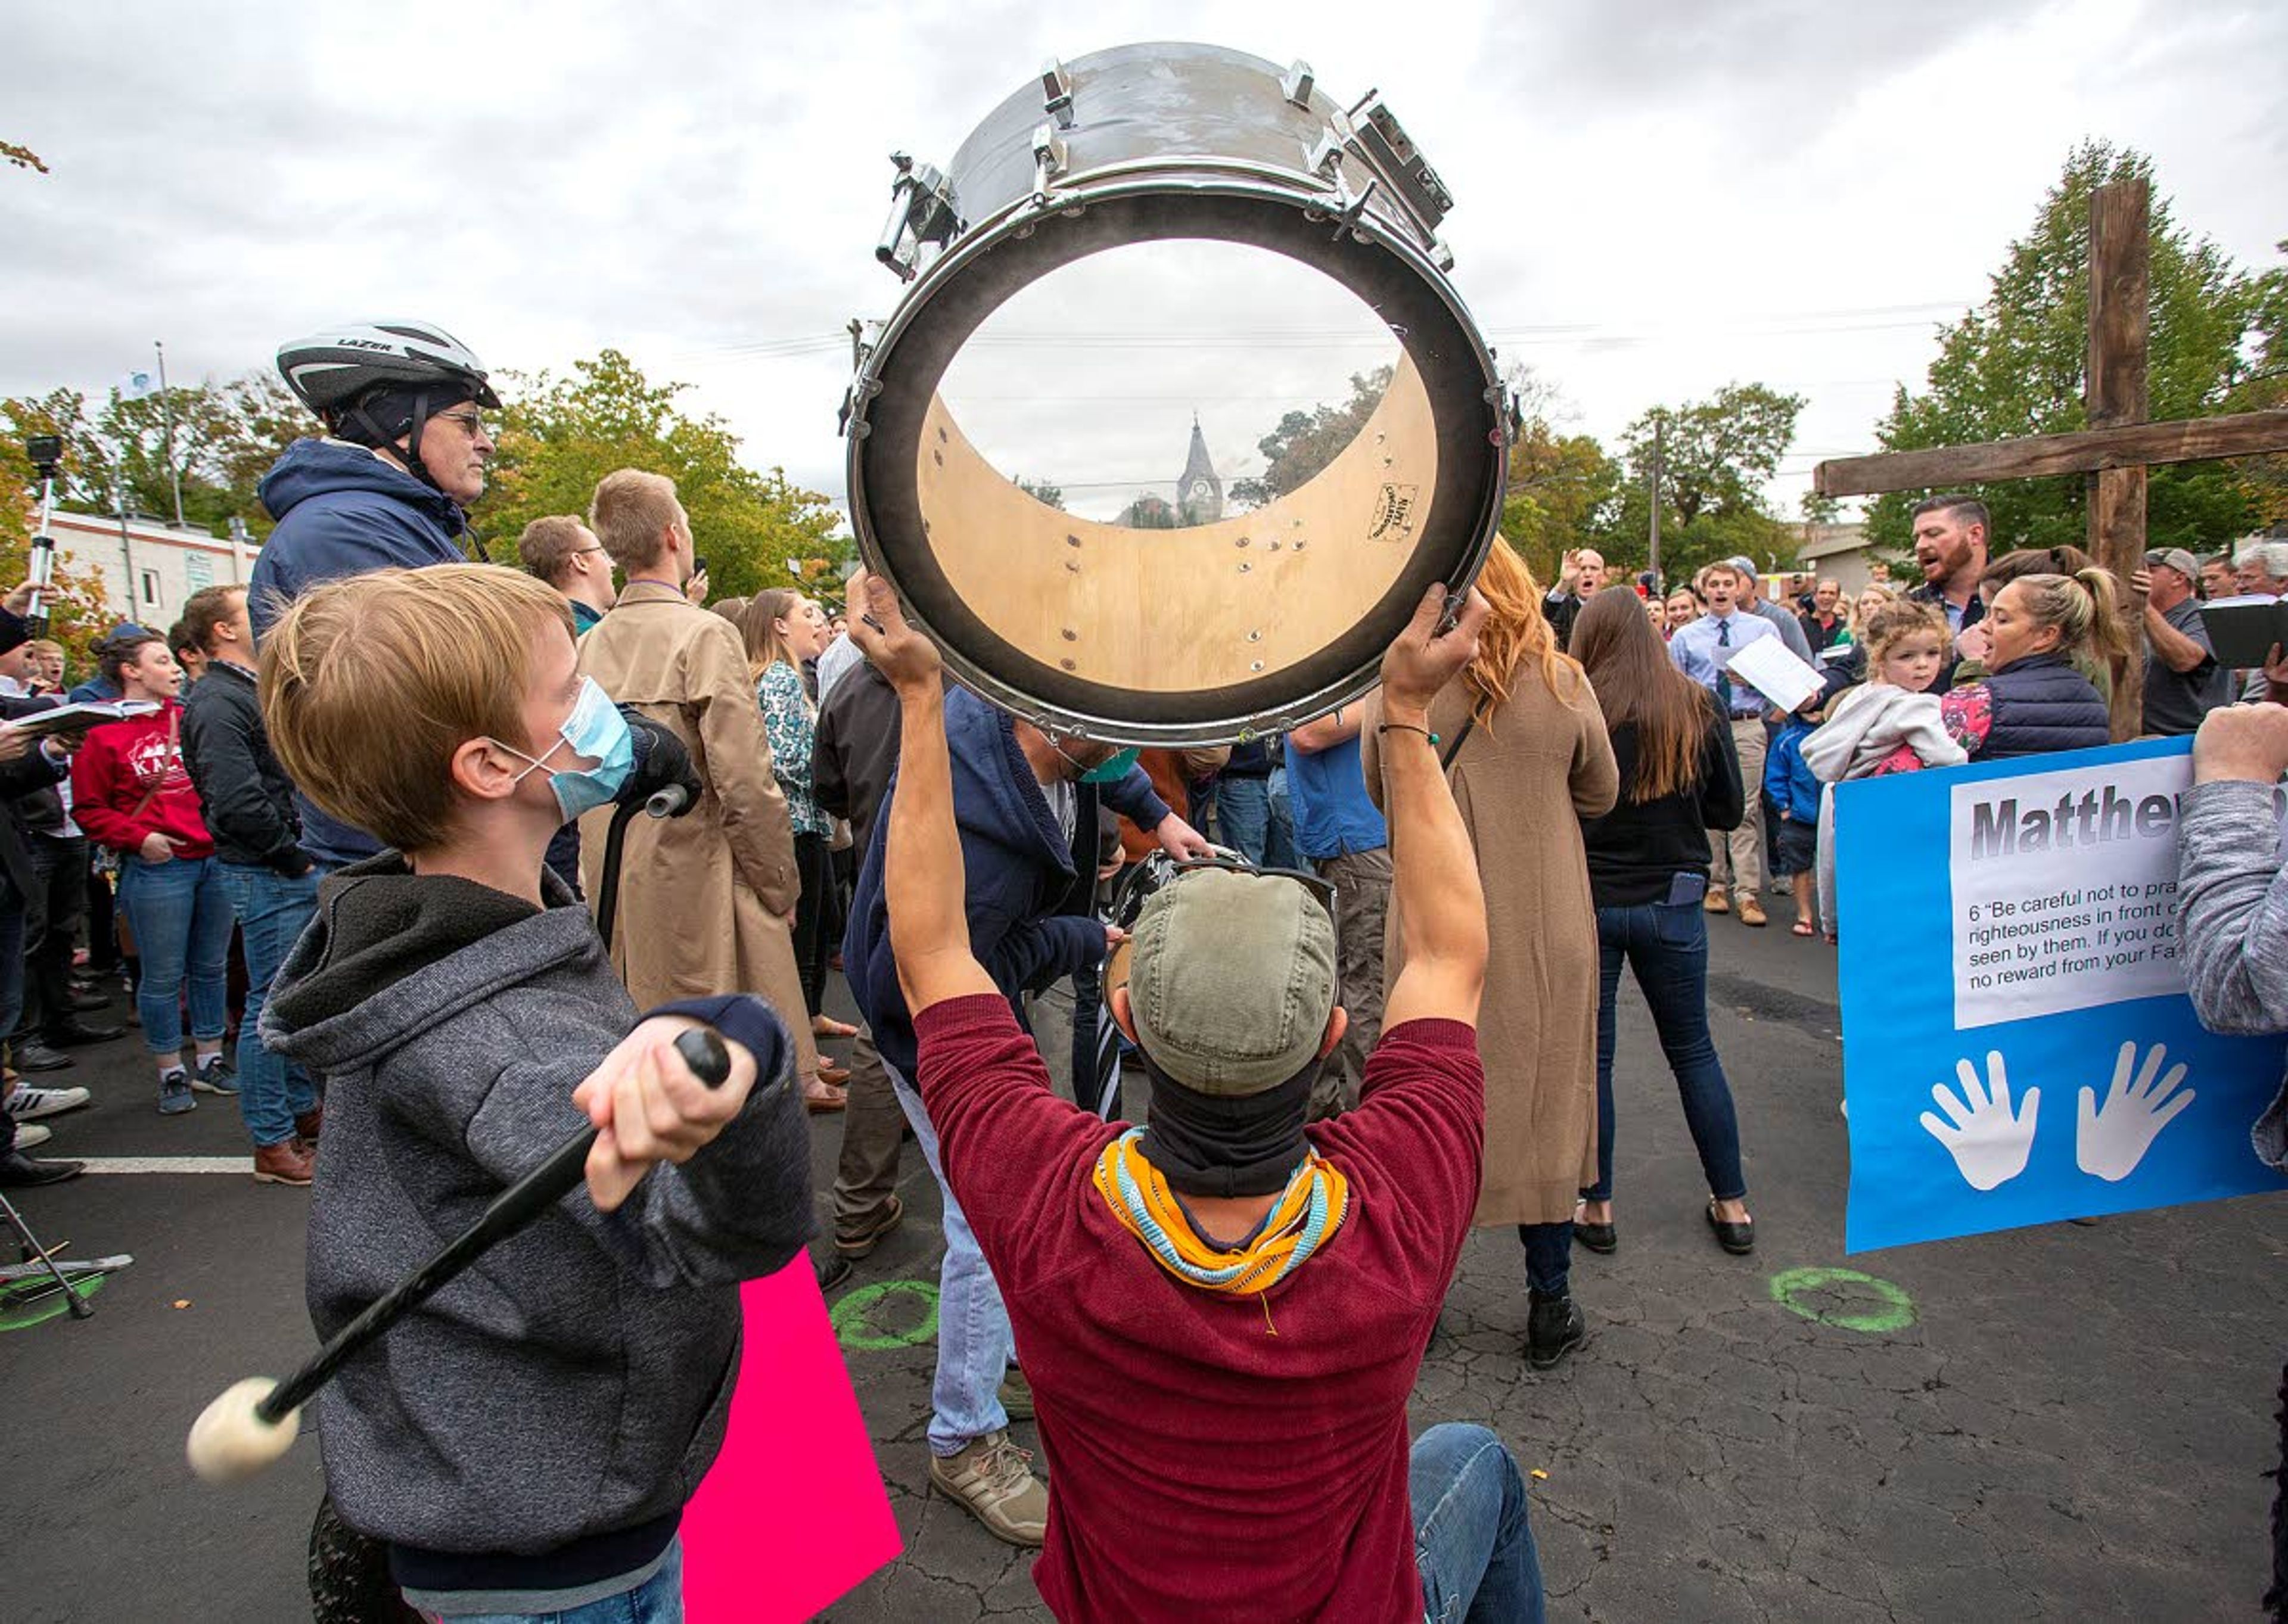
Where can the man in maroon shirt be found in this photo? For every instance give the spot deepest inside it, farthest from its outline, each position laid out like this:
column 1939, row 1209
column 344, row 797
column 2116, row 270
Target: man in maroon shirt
column 1222, row 1314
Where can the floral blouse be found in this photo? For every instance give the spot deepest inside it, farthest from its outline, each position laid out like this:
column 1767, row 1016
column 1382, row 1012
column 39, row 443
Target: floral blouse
column 794, row 730
column 1968, row 714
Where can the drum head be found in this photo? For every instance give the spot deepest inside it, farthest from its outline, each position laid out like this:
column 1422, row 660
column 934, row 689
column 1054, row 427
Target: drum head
column 1044, row 494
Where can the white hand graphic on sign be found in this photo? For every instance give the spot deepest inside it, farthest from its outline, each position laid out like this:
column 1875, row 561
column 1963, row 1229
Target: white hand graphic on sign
column 1989, row 1145
column 2110, row 1140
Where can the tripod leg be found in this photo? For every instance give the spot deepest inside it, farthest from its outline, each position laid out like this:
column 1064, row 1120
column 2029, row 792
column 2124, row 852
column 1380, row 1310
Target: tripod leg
column 80, row 1307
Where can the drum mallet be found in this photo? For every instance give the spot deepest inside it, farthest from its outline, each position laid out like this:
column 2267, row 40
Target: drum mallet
column 254, row 1422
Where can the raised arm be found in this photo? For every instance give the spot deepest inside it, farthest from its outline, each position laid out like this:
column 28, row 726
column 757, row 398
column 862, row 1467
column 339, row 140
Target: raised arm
column 1441, row 910
column 923, row 881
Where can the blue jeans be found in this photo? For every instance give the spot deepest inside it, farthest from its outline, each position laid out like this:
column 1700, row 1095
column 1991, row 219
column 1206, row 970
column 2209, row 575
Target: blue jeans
column 1279, row 830
column 1243, row 815
column 1666, row 947
column 658, row 1600
column 974, row 1343
column 1548, row 1256
column 272, row 911
column 181, row 918
column 1472, row 1542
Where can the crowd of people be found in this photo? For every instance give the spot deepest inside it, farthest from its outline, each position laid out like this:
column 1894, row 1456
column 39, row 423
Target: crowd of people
column 1368, row 1016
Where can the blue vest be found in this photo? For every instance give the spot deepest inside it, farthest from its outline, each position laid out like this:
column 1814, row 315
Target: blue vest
column 2041, row 704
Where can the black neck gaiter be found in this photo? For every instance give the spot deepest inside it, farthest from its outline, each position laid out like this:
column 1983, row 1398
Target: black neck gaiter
column 1214, row 1145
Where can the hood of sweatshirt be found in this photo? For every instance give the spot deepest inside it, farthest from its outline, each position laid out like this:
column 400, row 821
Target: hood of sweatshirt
column 997, row 798
column 390, row 953
column 326, row 467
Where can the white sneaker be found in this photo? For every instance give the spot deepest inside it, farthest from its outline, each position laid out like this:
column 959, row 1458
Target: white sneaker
column 27, row 1104
column 31, row 1134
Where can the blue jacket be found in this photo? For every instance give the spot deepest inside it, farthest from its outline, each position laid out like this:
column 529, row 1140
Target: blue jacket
column 1017, row 866
column 1792, row 787
column 341, row 510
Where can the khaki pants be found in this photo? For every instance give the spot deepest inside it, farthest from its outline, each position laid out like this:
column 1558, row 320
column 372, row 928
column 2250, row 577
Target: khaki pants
column 1361, row 883
column 1741, row 866
column 873, row 1133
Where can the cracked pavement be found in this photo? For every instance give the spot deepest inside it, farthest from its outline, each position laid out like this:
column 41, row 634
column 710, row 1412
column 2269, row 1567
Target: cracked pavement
column 2074, row 1425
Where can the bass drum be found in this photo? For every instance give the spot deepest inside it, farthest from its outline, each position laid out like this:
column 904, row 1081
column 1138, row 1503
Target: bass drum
column 1229, row 623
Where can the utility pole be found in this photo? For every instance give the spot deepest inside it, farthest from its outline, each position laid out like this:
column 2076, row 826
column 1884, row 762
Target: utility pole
column 1652, row 561
column 167, row 416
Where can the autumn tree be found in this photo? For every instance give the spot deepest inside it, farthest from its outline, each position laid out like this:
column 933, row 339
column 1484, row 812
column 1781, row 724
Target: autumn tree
column 1716, row 458
column 559, row 436
column 2017, row 365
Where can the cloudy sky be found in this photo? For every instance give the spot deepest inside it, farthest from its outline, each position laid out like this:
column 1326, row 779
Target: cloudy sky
column 1652, row 196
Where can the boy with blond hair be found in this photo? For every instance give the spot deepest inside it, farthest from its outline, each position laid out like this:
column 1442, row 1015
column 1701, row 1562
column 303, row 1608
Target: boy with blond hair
column 573, row 1389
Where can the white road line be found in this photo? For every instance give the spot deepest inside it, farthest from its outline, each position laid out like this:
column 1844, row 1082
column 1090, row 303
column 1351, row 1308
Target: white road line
column 168, row 1164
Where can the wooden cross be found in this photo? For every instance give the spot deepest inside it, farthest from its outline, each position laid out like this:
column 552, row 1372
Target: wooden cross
column 2118, row 447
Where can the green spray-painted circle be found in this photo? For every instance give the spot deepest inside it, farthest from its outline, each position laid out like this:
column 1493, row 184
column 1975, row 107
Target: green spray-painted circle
column 18, row 1315
column 852, row 1313
column 1892, row 1310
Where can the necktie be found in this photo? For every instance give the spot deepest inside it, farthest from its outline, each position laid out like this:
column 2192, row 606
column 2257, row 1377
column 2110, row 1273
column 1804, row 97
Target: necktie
column 1723, row 678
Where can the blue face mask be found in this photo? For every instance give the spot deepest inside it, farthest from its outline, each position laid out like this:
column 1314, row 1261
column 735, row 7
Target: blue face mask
column 1112, row 769
column 596, row 730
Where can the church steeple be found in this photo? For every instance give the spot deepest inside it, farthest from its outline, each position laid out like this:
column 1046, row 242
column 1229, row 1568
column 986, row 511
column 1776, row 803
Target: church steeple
column 1199, row 493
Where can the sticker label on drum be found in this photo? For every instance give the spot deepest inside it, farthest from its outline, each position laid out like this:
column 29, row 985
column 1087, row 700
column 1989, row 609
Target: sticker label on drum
column 1393, row 513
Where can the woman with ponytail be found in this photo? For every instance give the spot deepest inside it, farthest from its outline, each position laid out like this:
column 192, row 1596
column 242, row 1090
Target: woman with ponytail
column 1524, row 743
column 2033, row 701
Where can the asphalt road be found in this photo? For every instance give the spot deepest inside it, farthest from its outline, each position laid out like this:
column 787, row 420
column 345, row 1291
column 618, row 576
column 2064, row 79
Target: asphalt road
column 2072, row 1423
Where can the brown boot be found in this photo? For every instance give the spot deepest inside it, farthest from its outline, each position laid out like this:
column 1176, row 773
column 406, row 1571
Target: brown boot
column 306, row 1124
column 1751, row 911
column 1717, row 901
column 285, row 1162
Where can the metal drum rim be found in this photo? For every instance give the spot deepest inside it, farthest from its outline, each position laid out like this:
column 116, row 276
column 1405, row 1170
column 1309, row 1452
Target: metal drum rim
column 1161, row 178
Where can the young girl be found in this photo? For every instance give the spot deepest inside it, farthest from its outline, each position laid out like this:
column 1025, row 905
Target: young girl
column 1891, row 723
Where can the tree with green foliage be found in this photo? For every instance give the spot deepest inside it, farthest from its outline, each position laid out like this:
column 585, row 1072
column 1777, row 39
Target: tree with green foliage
column 1041, row 491
column 1559, row 490
column 223, row 439
column 78, row 612
column 1717, row 456
column 1304, row 442
column 2017, row 365
column 559, row 436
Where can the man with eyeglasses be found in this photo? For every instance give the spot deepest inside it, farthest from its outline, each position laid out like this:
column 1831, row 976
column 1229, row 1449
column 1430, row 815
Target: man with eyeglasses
column 403, row 457
column 1026, row 803
column 1223, row 1312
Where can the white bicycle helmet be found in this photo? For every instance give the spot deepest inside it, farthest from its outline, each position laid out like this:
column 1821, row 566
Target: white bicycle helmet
column 330, row 369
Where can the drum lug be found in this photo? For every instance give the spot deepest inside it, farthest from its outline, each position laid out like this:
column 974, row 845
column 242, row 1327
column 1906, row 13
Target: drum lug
column 1050, row 158
column 921, row 213
column 1296, row 86
column 1378, row 138
column 1056, row 93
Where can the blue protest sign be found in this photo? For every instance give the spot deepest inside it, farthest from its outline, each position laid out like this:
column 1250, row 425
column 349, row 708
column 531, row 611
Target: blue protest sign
column 2017, row 1044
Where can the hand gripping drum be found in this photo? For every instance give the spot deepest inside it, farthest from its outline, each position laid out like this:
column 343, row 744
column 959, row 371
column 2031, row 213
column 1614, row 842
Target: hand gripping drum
column 1223, row 630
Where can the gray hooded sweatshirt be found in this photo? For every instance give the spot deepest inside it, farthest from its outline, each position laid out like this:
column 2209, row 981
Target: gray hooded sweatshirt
column 537, row 1424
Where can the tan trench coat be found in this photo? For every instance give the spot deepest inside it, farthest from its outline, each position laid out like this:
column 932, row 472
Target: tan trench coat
column 1524, row 778
column 707, row 899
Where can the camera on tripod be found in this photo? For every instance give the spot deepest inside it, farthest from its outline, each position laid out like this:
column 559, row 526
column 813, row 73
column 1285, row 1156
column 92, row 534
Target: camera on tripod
column 46, row 455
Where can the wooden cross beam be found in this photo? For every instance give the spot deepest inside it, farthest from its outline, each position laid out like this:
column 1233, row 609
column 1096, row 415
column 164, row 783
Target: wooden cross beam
column 2118, row 448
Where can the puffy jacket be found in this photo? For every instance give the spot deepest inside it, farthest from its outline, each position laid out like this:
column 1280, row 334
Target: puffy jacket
column 2041, row 705
column 129, row 783
column 341, row 510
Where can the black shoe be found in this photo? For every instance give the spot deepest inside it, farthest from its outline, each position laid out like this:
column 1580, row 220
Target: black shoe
column 71, row 1032
column 85, row 999
column 1602, row 1238
column 18, row 1171
column 34, row 1055
column 831, row 1270
column 1737, row 1239
column 1555, row 1325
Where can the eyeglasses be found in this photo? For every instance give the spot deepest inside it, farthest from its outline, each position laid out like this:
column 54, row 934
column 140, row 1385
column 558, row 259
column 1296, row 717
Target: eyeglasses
column 471, row 424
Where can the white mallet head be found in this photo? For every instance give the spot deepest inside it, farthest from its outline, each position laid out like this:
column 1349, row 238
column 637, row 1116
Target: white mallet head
column 230, row 1443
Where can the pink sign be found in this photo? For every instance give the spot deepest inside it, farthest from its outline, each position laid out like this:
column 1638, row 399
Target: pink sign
column 793, row 1516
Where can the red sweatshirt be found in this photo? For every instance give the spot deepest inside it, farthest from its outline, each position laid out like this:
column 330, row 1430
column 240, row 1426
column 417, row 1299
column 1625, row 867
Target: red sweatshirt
column 119, row 765
column 1216, row 1457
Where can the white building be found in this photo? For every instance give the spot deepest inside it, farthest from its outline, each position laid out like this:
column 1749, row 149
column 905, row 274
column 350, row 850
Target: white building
column 148, row 569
